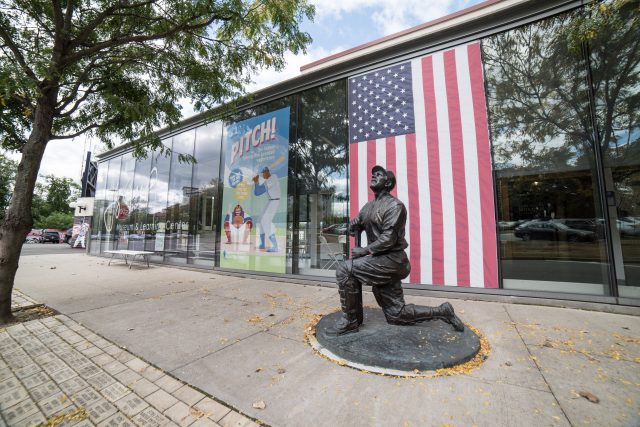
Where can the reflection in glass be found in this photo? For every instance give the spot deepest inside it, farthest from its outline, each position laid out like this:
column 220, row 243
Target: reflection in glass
column 122, row 207
column 320, row 179
column 99, row 205
column 204, row 195
column 157, row 216
column 109, row 217
column 177, row 225
column 550, row 220
column 138, row 207
column 615, row 65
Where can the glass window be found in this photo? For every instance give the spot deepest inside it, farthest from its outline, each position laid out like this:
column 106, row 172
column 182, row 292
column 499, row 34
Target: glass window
column 157, row 216
column 109, row 216
column 615, row 64
column 139, row 230
column 99, row 206
column 550, row 219
column 204, row 194
column 177, row 225
column 320, row 179
column 124, row 201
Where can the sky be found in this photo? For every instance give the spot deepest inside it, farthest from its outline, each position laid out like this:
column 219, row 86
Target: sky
column 338, row 25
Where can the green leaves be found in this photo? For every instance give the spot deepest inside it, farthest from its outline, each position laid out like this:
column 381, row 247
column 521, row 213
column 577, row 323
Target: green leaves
column 119, row 69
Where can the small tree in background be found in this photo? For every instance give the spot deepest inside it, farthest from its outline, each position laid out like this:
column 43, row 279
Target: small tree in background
column 7, row 178
column 119, row 68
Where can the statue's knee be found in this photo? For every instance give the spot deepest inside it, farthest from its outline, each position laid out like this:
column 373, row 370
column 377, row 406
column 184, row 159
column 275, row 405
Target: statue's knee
column 343, row 271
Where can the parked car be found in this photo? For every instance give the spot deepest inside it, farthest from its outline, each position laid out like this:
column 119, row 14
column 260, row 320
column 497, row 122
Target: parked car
column 33, row 239
column 50, row 236
column 552, row 230
column 68, row 235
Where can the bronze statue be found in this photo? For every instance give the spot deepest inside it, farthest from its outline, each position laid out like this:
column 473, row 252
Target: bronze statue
column 383, row 263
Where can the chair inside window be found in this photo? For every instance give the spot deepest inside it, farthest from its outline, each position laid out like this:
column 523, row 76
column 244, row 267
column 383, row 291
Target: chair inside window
column 333, row 250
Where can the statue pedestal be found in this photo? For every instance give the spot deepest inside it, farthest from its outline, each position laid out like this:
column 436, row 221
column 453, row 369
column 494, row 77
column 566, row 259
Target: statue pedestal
column 396, row 350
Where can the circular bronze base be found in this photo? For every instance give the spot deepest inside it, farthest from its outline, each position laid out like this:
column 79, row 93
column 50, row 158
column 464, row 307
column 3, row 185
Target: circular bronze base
column 423, row 347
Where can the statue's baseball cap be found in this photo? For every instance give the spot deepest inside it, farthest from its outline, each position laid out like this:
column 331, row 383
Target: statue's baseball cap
column 390, row 175
column 265, row 169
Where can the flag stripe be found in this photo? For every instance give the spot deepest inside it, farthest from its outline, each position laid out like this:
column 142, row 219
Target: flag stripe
column 413, row 206
column 353, row 185
column 433, row 160
column 422, row 229
column 476, row 271
column 371, row 162
column 458, row 166
column 485, row 176
column 446, row 172
column 390, row 159
column 363, row 188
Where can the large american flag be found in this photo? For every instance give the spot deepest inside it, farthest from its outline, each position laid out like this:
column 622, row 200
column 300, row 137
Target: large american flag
column 426, row 120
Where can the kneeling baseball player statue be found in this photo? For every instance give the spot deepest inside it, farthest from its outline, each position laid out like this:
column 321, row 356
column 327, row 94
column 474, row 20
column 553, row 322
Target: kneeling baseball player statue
column 383, row 263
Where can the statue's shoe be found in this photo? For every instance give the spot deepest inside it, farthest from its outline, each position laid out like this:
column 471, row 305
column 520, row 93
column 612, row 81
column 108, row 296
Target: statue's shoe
column 344, row 326
column 448, row 315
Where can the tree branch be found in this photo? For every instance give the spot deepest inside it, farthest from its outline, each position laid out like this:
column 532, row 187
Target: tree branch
column 80, row 132
column 77, row 104
column 100, row 18
column 4, row 34
column 184, row 26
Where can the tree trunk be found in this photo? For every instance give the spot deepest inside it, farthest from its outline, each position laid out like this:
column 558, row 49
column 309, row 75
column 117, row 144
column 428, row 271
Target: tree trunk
column 18, row 220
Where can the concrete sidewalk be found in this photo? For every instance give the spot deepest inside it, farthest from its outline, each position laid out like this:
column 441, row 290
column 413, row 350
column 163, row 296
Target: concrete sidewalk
column 241, row 341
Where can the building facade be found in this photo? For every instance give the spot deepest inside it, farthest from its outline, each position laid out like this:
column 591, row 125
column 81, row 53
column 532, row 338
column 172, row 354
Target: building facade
column 513, row 127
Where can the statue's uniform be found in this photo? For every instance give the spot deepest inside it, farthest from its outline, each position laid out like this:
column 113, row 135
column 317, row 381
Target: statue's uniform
column 383, row 220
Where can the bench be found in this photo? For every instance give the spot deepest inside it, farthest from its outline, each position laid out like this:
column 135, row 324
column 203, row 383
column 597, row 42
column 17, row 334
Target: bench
column 129, row 255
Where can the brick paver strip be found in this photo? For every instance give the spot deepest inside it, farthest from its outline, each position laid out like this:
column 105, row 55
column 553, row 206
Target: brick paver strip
column 43, row 391
column 161, row 400
column 234, row 419
column 86, row 397
column 9, row 384
column 12, row 397
column 19, row 411
column 212, row 409
column 143, row 387
column 33, row 420
column 188, row 395
column 149, row 417
column 100, row 381
column 168, row 383
column 205, row 422
column 35, row 380
column 54, row 404
column 54, row 365
column 137, row 364
column 102, row 359
column 181, row 414
column 151, row 373
column 131, row 404
column 117, row 420
column 115, row 392
column 100, row 411
column 128, row 377
column 114, row 367
column 73, row 385
column 63, row 375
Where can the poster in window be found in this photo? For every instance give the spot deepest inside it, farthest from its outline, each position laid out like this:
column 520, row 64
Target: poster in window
column 254, row 202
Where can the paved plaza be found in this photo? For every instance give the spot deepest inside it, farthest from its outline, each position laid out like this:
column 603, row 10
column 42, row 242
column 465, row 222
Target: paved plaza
column 170, row 346
column 54, row 371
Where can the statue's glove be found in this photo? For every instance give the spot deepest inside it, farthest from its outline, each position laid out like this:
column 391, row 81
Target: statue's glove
column 359, row 252
column 354, row 226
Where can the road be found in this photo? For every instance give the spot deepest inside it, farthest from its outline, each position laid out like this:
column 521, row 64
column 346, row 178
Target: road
column 48, row 249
